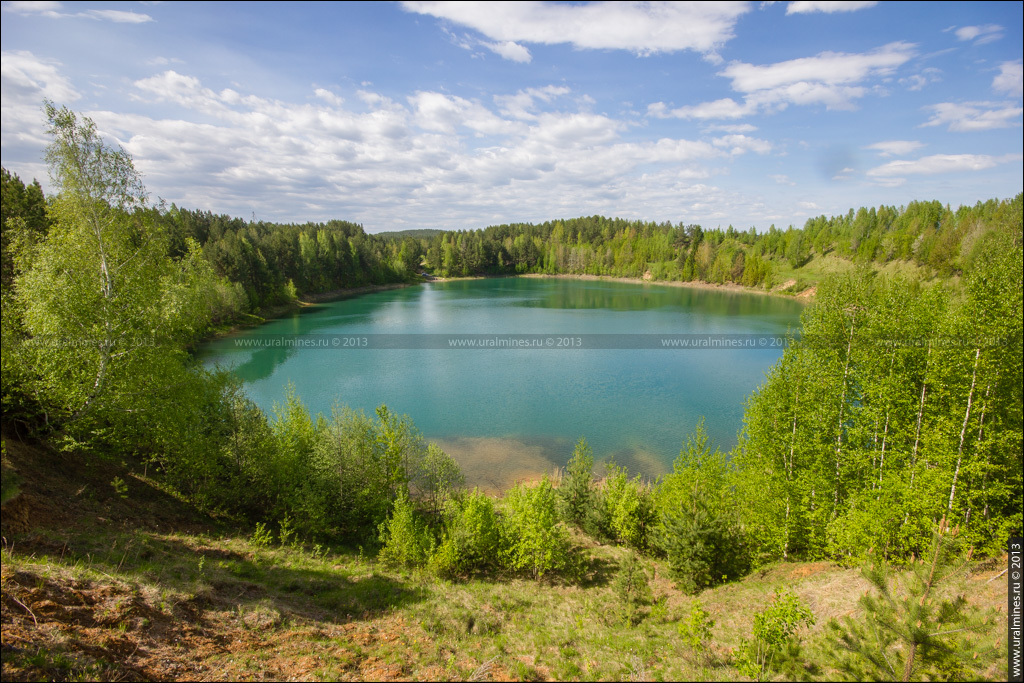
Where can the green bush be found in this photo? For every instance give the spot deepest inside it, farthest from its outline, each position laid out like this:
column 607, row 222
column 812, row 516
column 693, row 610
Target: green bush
column 633, row 590
column 630, row 506
column 698, row 530
column 471, row 536
column 532, row 539
column 404, row 537
column 774, row 630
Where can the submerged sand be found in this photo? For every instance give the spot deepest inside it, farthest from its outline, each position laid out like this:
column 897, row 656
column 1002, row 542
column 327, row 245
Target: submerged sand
column 496, row 464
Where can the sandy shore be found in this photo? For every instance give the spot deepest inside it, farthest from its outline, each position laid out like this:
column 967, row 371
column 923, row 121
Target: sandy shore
column 695, row 284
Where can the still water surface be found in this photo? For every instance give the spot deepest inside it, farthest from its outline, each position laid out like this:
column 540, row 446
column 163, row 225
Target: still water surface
column 508, row 413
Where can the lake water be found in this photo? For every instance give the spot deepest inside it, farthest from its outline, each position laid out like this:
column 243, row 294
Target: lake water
column 505, row 412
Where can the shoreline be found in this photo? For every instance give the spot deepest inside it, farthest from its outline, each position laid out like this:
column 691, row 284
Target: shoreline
column 265, row 315
column 731, row 287
column 309, row 300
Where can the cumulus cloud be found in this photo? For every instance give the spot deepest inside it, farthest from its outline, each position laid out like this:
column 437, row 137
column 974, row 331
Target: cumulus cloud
column 891, row 148
column 980, row 34
column 1010, row 79
column 739, row 144
column 830, row 68
column 640, row 27
column 511, row 50
column 432, row 158
column 832, row 79
column 807, row 6
column 975, row 116
column 941, row 163
column 25, row 81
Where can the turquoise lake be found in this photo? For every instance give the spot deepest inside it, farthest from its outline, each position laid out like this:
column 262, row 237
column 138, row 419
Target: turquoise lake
column 508, row 413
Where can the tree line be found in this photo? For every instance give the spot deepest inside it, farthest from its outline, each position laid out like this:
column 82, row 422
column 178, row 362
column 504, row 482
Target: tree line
column 947, row 241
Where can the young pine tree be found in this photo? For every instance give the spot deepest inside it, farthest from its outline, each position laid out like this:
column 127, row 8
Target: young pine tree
column 907, row 631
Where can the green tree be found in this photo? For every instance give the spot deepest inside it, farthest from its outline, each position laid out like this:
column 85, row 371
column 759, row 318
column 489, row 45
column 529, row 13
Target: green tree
column 404, row 537
column 105, row 306
column 907, row 632
column 532, row 538
column 697, row 528
column 576, row 488
column 471, row 538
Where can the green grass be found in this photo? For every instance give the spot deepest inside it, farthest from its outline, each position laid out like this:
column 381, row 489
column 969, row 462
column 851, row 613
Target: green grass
column 97, row 586
column 346, row 617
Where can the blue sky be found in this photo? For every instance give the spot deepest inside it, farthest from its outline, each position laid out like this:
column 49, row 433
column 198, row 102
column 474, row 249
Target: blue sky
column 462, row 115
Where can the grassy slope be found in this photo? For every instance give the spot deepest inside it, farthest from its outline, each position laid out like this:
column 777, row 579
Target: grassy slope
column 97, row 585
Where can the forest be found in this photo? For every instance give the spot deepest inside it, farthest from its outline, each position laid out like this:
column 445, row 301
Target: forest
column 896, row 412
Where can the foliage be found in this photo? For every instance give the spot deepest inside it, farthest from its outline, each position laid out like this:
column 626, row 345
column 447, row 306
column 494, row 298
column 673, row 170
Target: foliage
column 471, row 537
column 633, row 590
column 630, row 507
column 532, row 538
column 104, row 310
column 696, row 630
column 576, row 487
column 907, row 632
column 774, row 630
column 261, row 536
column 898, row 405
column 697, row 528
column 436, row 479
column 404, row 537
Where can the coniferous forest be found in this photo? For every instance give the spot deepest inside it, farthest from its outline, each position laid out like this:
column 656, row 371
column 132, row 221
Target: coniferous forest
column 893, row 418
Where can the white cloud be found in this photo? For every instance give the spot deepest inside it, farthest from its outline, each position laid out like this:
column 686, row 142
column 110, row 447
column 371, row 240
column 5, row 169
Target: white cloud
column 117, row 16
column 831, row 78
column 941, row 163
column 25, row 81
column 52, row 10
column 731, row 128
column 329, row 97
column 980, row 34
column 807, row 6
column 920, row 80
column 891, row 148
column 725, row 108
column 424, row 158
column 1010, row 79
column 643, row 28
column 975, row 116
column 829, row 68
column 510, row 50
column 782, row 179
column 523, row 105
column 444, row 113
column 41, row 7
column 739, row 144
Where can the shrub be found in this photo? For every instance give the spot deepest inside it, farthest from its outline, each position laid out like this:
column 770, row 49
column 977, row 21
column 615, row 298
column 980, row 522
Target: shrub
column 697, row 529
column 774, row 629
column 405, row 540
column 633, row 590
column 471, row 537
column 630, row 506
column 532, row 539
